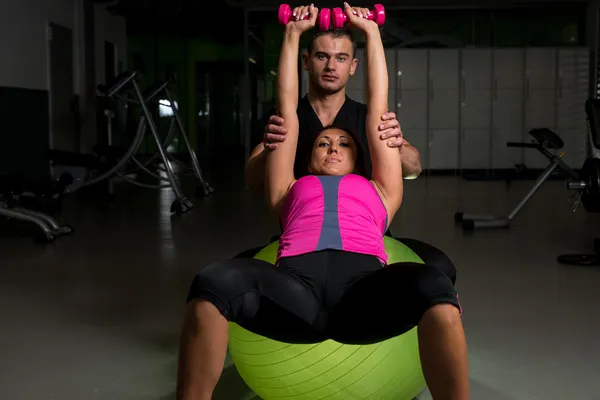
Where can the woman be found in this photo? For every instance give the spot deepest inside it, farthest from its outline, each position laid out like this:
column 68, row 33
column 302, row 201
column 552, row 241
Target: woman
column 331, row 279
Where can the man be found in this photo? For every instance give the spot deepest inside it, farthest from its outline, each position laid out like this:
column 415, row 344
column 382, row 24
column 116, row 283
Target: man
column 330, row 63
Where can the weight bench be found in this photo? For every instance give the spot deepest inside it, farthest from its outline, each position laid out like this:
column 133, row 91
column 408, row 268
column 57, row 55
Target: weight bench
column 588, row 184
column 544, row 140
column 13, row 187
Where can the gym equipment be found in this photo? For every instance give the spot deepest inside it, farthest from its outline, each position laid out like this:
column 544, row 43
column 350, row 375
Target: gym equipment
column 587, row 186
column 388, row 370
column 110, row 162
column 42, row 194
column 543, row 139
column 284, row 15
column 377, row 14
column 181, row 204
column 204, row 189
column 13, row 188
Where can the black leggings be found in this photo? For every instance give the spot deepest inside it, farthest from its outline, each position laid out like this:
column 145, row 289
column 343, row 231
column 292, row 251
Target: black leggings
column 349, row 297
column 429, row 254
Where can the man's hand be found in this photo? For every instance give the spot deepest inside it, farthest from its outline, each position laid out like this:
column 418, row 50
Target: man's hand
column 274, row 133
column 390, row 130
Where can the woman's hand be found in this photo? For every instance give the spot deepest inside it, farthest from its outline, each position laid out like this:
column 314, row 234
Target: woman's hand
column 300, row 25
column 357, row 18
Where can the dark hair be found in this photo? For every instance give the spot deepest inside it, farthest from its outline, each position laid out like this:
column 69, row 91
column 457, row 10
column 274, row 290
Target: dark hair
column 360, row 160
column 335, row 33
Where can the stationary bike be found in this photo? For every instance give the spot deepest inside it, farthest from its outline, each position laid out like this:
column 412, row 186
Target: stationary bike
column 588, row 185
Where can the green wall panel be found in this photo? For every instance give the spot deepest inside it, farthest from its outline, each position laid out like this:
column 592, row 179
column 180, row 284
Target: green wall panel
column 199, row 50
column 162, row 54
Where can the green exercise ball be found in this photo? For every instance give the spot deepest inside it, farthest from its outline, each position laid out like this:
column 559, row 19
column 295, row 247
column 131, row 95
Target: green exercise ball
column 330, row 370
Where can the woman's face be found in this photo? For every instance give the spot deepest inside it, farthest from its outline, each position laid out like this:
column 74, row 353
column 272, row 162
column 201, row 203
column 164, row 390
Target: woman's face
column 334, row 153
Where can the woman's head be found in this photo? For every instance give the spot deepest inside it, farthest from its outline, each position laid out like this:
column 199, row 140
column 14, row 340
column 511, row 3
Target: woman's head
column 335, row 152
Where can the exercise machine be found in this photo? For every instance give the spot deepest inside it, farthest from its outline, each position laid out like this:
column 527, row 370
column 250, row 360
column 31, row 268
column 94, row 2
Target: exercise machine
column 543, row 141
column 587, row 186
column 123, row 82
column 111, row 162
column 14, row 188
column 166, row 99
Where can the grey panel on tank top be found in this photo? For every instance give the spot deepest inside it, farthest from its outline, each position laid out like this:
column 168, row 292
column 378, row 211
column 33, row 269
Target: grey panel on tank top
column 330, row 237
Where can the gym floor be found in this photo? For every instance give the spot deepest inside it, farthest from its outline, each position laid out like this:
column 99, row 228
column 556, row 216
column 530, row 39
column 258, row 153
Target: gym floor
column 97, row 315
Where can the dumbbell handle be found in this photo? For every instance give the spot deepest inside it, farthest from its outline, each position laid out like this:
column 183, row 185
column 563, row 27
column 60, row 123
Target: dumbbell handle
column 377, row 14
column 579, row 185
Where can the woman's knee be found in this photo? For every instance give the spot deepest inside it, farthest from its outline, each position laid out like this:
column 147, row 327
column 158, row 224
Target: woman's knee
column 433, row 277
column 220, row 284
column 210, row 278
column 435, row 287
column 431, row 255
column 447, row 266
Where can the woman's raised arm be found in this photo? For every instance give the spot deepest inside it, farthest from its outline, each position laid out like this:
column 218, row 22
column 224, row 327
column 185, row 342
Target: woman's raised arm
column 280, row 162
column 386, row 163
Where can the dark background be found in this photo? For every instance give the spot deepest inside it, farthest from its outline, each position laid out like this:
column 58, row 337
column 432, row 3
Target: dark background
column 202, row 44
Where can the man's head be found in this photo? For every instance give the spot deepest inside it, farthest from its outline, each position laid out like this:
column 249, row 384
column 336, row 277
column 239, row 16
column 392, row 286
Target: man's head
column 334, row 152
column 330, row 61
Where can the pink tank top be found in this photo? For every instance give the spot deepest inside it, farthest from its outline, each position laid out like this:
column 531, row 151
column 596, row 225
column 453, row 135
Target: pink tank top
column 333, row 212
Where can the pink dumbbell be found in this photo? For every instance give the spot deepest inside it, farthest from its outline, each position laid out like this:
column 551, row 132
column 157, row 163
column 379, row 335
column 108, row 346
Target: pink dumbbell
column 285, row 15
column 377, row 14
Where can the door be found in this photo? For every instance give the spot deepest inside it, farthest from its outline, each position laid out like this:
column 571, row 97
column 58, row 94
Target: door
column 476, row 108
column 507, row 104
column 218, row 111
column 573, row 83
column 411, row 99
column 444, row 108
column 540, row 98
column 63, row 104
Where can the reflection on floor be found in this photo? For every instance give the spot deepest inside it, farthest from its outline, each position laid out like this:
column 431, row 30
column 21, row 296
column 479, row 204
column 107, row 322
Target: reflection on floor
column 97, row 315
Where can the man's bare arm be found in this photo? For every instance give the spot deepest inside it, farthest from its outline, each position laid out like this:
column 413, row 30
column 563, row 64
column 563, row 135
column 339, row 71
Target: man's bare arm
column 411, row 161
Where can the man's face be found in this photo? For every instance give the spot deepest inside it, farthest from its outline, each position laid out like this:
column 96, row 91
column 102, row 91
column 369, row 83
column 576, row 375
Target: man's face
column 331, row 63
